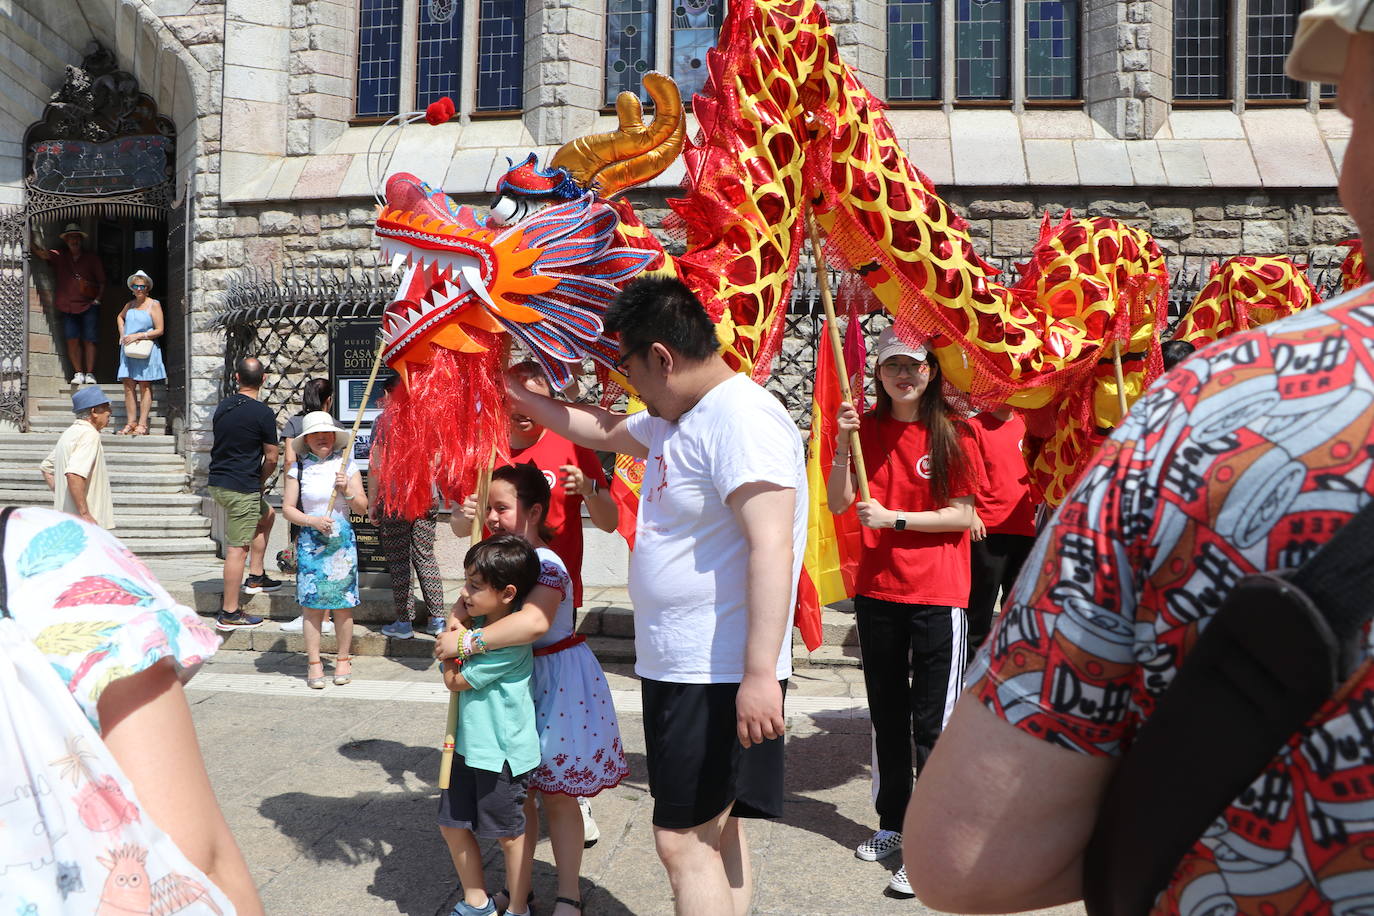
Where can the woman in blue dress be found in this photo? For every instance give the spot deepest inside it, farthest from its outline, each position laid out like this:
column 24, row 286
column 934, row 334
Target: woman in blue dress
column 140, row 319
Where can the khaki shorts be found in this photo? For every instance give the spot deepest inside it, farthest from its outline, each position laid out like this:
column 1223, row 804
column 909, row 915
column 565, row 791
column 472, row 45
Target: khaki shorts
column 242, row 512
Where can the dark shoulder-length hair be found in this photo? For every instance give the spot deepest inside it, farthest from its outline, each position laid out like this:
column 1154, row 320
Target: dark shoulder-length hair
column 944, row 427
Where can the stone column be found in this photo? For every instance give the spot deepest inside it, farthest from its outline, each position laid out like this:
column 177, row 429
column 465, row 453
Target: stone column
column 860, row 28
column 257, row 45
column 1127, row 70
column 564, row 44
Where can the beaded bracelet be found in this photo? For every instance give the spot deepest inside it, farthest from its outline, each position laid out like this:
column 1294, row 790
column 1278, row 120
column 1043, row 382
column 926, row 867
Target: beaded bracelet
column 479, row 645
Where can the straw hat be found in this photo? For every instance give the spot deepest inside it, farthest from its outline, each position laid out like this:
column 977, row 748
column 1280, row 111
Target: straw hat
column 72, row 229
column 139, row 275
column 318, row 421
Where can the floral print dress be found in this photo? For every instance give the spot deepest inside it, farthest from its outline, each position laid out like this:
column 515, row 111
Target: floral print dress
column 78, row 612
column 326, row 566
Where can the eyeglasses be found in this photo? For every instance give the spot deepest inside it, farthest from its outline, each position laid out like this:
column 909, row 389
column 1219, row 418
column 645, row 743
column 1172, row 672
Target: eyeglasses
column 139, row 286
column 896, row 370
column 621, row 365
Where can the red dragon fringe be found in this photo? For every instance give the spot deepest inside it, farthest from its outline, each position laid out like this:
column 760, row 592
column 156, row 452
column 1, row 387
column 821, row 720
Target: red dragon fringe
column 442, row 429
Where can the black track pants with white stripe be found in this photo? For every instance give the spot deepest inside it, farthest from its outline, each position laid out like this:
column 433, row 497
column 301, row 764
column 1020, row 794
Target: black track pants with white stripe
column 913, row 658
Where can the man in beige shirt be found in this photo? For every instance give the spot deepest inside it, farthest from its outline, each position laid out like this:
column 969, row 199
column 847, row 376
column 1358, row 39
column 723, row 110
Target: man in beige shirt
column 78, row 461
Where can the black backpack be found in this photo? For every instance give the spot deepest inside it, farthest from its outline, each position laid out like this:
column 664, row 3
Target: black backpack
column 1280, row 646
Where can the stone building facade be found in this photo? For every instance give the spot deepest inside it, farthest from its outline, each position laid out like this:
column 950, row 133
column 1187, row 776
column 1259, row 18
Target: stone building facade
column 275, row 165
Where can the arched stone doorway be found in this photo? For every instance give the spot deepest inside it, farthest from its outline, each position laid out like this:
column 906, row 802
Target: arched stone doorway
column 103, row 157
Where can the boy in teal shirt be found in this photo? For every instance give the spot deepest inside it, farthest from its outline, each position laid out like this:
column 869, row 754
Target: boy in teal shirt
column 497, row 746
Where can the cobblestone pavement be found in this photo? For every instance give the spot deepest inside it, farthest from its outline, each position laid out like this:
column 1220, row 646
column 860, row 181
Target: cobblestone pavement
column 332, row 796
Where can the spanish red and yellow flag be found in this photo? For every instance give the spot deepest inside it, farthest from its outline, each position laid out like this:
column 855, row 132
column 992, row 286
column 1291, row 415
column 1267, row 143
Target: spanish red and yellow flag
column 832, row 541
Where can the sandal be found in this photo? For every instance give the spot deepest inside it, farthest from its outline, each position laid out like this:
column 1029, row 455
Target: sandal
column 575, row 904
column 128, row 428
column 314, row 683
column 345, row 678
column 141, row 429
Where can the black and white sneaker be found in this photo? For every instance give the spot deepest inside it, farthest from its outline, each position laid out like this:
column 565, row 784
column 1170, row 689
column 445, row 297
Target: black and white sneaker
column 881, row 845
column 236, row 620
column 256, row 585
column 899, row 885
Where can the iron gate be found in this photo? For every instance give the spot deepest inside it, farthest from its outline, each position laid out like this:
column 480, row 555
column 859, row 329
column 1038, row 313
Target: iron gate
column 14, row 316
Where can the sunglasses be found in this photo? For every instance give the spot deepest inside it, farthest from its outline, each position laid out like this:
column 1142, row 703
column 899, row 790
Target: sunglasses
column 139, row 286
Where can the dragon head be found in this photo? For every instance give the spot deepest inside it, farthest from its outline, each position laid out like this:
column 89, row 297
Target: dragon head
column 545, row 262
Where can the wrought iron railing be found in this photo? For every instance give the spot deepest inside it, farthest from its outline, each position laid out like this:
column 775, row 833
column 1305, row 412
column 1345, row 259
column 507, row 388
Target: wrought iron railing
column 283, row 316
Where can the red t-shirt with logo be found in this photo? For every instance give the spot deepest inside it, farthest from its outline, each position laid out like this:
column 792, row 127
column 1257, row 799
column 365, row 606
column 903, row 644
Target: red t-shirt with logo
column 550, row 453
column 913, row 567
column 1004, row 501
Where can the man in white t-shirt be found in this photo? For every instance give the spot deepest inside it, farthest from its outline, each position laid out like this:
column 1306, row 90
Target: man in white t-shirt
column 713, row 577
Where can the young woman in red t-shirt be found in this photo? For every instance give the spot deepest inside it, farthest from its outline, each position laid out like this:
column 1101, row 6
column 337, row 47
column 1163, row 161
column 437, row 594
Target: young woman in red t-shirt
column 913, row 576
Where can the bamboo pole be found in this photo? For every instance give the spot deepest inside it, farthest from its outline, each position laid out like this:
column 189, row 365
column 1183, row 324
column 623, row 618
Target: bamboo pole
column 474, row 535
column 357, row 422
column 837, row 348
column 1120, row 379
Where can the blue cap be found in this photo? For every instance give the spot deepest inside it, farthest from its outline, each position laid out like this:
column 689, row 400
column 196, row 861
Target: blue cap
column 86, row 398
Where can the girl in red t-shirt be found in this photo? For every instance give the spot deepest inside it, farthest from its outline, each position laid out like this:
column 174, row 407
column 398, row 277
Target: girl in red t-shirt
column 913, row 575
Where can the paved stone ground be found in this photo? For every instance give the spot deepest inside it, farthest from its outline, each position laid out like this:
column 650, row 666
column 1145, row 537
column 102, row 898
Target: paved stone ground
column 332, row 795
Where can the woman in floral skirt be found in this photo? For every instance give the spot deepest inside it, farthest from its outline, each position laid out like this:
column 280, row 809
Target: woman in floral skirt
column 326, row 550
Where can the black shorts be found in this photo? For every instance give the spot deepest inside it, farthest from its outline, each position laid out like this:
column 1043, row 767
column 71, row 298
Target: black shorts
column 696, row 764
column 491, row 805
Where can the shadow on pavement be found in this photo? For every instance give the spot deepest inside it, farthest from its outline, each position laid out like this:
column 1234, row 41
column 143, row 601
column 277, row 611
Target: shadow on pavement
column 396, row 830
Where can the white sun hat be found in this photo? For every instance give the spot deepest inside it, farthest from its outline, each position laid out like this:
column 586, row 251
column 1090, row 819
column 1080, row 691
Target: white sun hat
column 1323, row 38
column 318, row 421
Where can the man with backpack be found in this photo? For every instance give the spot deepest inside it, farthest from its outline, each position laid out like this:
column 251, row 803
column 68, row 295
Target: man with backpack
column 1245, row 461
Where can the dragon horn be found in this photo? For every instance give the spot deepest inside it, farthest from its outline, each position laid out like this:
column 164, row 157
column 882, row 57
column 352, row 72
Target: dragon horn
column 634, row 153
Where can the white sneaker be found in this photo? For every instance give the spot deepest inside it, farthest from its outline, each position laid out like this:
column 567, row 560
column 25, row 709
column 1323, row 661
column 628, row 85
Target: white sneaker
column 298, row 626
column 90, row 379
column 881, row 845
column 899, row 885
column 77, row 379
column 590, row 832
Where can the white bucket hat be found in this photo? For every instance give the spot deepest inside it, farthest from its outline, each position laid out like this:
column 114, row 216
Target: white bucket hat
column 318, row 421
column 890, row 345
column 1323, row 38
column 139, row 275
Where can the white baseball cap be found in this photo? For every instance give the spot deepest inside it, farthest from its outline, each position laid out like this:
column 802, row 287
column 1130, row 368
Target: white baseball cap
column 1323, row 38
column 890, row 345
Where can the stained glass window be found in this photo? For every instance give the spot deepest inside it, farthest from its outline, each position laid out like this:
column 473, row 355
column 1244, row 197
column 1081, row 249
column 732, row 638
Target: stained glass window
column 1051, row 49
column 500, row 55
column 1200, row 51
column 629, row 46
column 379, row 57
column 439, row 51
column 982, row 55
column 1269, row 29
column 694, row 27
column 913, row 50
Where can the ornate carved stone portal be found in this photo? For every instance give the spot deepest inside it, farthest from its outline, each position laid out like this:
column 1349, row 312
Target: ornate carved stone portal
column 100, row 134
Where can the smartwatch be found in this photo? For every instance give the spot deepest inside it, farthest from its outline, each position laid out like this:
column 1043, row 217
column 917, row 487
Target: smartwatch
column 900, row 523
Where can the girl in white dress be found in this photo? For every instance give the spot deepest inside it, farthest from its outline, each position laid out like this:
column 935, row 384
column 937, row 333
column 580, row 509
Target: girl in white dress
column 579, row 737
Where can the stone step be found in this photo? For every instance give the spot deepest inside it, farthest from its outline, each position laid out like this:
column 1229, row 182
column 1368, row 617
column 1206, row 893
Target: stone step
column 120, row 479
column 21, row 460
column 56, row 423
column 46, row 440
column 173, row 505
column 160, row 546
column 138, row 525
column 63, row 404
